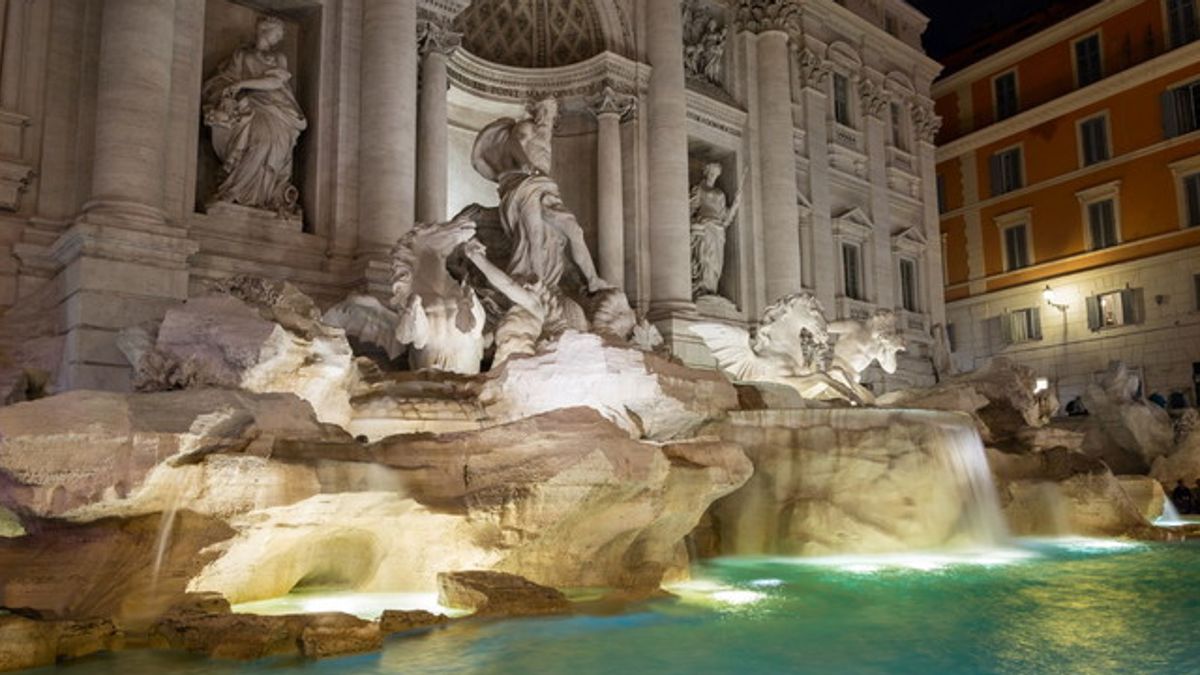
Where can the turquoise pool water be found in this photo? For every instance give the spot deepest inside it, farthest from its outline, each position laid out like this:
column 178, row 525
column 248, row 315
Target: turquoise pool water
column 1082, row 606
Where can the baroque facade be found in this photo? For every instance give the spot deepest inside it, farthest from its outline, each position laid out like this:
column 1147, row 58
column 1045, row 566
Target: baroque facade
column 1069, row 167
column 136, row 166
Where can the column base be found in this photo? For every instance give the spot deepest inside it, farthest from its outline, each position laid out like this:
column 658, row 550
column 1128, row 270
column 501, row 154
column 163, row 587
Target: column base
column 109, row 278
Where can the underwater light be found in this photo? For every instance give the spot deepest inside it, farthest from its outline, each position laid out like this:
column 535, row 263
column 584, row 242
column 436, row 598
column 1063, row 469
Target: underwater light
column 926, row 561
column 736, row 597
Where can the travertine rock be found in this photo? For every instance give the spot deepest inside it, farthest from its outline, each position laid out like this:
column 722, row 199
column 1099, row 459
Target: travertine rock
column 76, row 449
column 333, row 634
column 644, row 394
column 1059, row 492
column 251, row 334
column 1129, row 434
column 565, row 498
column 1184, row 462
column 498, row 594
column 1146, row 494
column 30, row 643
column 1000, row 396
column 401, row 621
column 854, row 481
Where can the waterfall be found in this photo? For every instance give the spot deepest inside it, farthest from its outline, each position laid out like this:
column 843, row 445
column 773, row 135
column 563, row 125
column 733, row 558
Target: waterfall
column 1170, row 516
column 960, row 450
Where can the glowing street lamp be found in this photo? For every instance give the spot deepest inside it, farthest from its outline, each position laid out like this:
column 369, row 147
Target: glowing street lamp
column 1055, row 300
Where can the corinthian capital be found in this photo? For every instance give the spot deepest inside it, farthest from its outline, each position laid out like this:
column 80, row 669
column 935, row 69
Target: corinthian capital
column 612, row 102
column 814, row 70
column 926, row 122
column 436, row 36
column 760, row 16
column 874, row 99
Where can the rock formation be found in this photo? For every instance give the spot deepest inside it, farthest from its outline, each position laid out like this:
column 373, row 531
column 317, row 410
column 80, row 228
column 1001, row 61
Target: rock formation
column 498, row 594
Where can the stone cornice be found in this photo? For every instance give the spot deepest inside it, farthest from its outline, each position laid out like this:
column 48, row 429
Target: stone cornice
column 583, row 79
column 1059, row 32
column 1093, row 93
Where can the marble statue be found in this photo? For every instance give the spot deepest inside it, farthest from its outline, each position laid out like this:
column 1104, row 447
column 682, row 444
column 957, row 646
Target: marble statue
column 255, row 122
column 438, row 318
column 791, row 346
column 861, row 343
column 943, row 362
column 711, row 215
column 515, row 154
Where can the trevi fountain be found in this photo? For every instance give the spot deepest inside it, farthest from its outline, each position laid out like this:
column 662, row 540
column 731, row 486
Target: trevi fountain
column 372, row 336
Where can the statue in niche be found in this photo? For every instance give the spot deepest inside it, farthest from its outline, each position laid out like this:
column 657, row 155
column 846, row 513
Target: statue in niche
column 711, row 216
column 704, row 45
column 515, row 154
column 791, row 346
column 255, row 121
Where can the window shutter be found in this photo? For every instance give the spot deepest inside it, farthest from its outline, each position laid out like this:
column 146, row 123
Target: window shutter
column 1170, row 114
column 994, row 168
column 1035, row 319
column 1093, row 311
column 1131, row 306
column 1010, row 328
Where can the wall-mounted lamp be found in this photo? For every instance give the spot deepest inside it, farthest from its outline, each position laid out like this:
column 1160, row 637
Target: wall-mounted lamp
column 1054, row 299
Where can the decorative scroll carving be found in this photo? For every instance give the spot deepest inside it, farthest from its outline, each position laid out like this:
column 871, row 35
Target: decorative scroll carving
column 760, row 16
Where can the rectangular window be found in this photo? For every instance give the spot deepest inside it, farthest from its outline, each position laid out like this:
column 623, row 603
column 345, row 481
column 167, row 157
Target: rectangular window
column 1116, row 308
column 908, row 284
column 952, row 337
column 899, row 138
column 1093, row 138
column 1102, row 224
column 1016, row 247
column 941, row 193
column 1006, row 171
column 1087, row 60
column 1191, row 193
column 841, row 99
column 1181, row 109
column 852, row 271
column 1181, row 21
column 1006, row 95
column 1196, row 283
column 1024, row 325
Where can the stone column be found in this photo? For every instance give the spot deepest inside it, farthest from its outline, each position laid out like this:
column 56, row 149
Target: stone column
column 882, row 278
column 121, row 262
column 667, row 159
column 436, row 42
column 610, row 107
column 926, row 124
column 133, row 96
column 814, row 80
column 387, row 124
column 781, row 215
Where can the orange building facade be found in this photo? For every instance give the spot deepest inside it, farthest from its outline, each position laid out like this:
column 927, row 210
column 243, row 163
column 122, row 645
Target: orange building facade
column 1068, row 170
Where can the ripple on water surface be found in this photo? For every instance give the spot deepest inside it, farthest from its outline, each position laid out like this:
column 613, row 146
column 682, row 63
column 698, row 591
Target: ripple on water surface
column 1064, row 606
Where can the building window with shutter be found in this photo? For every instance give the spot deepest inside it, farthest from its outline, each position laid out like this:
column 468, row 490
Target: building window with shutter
column 852, row 272
column 1093, row 140
column 1024, row 325
column 1016, row 247
column 1006, row 171
column 1088, row 65
column 1181, row 22
column 1191, row 192
column 1115, row 308
column 1196, row 283
column 1004, row 88
column 941, row 193
column 841, row 99
column 909, row 285
column 1102, row 224
column 899, row 129
column 1181, row 109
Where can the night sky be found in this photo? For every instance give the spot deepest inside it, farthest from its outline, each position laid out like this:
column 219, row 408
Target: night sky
column 953, row 24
